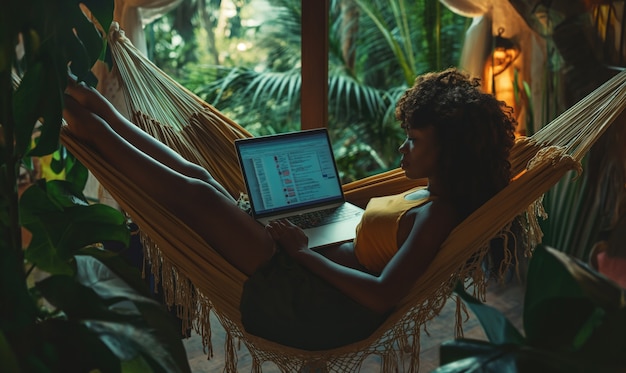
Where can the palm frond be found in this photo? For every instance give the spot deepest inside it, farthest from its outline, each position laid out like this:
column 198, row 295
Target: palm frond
column 386, row 31
column 275, row 86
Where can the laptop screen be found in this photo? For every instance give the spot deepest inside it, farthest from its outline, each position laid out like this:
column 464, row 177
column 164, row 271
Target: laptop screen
column 289, row 171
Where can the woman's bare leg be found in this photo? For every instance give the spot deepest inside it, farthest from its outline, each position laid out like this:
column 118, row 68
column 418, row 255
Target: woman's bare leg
column 198, row 203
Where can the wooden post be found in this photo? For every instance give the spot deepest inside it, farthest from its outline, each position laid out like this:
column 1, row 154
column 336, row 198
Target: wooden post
column 314, row 54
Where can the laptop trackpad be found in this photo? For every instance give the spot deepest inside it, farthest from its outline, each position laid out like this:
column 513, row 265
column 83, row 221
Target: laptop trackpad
column 332, row 233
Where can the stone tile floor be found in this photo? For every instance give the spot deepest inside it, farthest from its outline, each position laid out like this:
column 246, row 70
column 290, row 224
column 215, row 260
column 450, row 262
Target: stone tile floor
column 506, row 298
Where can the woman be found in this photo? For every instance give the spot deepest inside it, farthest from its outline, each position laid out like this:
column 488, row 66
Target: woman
column 456, row 136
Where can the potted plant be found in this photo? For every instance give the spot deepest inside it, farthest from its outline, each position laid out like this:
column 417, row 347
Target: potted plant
column 574, row 321
column 91, row 311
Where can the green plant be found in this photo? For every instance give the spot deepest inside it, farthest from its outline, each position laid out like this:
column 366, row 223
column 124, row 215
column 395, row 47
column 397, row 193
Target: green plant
column 579, row 58
column 574, row 321
column 376, row 49
column 89, row 310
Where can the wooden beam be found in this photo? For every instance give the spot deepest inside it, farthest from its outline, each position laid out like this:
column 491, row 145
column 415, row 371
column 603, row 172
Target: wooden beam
column 314, row 54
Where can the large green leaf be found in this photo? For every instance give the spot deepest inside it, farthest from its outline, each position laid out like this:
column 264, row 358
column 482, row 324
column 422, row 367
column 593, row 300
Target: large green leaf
column 67, row 37
column 50, row 116
column 77, row 301
column 75, row 172
column 61, row 222
column 28, row 95
column 467, row 355
column 102, row 11
column 55, row 33
column 573, row 214
column 92, row 40
column 571, row 309
column 156, row 337
column 69, row 347
column 130, row 323
column 574, row 320
column 119, row 265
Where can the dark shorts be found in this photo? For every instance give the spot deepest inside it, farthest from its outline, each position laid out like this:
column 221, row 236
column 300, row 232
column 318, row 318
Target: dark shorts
column 285, row 303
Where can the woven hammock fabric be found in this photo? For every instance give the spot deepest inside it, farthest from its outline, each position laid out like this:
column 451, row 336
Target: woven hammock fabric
column 198, row 280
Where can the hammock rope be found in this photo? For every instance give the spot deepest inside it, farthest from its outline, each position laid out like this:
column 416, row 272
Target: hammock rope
column 197, row 280
column 178, row 118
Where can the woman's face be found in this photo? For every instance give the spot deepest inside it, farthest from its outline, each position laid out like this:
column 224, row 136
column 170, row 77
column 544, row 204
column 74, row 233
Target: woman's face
column 420, row 153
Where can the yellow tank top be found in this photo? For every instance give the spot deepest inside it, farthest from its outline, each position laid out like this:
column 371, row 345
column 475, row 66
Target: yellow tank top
column 376, row 235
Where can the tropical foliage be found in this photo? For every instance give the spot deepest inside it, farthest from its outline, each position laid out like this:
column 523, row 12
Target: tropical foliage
column 376, row 49
column 87, row 310
column 580, row 49
column 574, row 321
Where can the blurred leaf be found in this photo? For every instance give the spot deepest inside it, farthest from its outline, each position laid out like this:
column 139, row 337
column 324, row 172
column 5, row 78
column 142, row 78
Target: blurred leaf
column 570, row 226
column 107, row 284
column 137, row 365
column 128, row 322
column 553, row 323
column 62, row 222
column 90, row 37
column 129, row 342
column 570, row 308
column 530, row 116
column 155, row 336
column 82, row 42
column 43, row 253
column 77, row 301
column 52, row 107
column 76, row 174
column 102, row 11
column 574, row 320
column 466, row 355
column 115, row 263
column 72, row 347
column 60, row 161
column 27, row 96
column 77, row 55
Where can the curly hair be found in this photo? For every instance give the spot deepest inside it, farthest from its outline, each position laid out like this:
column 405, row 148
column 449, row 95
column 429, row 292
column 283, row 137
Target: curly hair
column 474, row 130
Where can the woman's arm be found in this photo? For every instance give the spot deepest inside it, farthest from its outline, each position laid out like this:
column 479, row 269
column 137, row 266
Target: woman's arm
column 430, row 226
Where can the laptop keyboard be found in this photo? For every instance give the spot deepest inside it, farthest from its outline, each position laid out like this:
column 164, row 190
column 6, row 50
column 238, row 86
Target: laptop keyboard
column 321, row 217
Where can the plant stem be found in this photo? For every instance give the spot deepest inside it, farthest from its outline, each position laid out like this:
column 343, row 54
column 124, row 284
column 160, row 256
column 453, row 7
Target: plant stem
column 9, row 168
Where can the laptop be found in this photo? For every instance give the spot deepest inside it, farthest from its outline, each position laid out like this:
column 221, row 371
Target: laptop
column 294, row 176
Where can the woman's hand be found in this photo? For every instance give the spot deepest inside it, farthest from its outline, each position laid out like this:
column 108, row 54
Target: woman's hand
column 288, row 236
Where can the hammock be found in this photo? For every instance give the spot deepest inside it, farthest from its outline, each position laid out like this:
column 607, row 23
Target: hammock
column 198, row 280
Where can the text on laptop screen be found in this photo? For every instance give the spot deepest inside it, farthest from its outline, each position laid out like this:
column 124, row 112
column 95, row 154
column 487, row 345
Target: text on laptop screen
column 289, row 171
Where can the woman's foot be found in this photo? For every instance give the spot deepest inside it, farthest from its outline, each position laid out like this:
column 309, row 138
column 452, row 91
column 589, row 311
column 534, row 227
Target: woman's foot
column 82, row 123
column 91, row 99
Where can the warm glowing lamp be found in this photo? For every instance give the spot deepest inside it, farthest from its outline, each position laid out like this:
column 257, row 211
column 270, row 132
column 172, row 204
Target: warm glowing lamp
column 503, row 54
column 500, row 71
